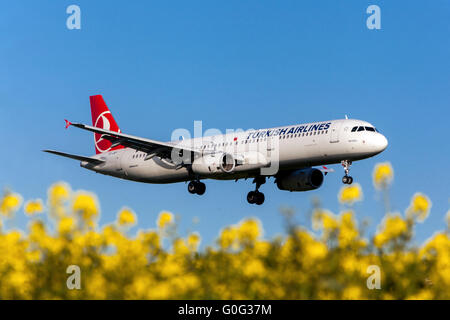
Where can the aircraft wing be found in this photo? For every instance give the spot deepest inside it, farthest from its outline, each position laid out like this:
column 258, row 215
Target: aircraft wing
column 75, row 157
column 134, row 142
column 326, row 170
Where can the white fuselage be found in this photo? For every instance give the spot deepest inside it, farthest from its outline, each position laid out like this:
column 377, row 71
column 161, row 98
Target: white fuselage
column 291, row 147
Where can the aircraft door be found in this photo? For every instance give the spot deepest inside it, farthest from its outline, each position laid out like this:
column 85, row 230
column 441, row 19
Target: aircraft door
column 335, row 129
column 271, row 147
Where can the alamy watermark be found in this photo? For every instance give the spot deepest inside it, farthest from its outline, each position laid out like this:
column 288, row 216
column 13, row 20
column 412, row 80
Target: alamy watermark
column 373, row 22
column 74, row 280
column 74, row 19
column 258, row 149
column 374, row 280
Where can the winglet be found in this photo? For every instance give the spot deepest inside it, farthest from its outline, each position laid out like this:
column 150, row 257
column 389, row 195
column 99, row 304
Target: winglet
column 68, row 123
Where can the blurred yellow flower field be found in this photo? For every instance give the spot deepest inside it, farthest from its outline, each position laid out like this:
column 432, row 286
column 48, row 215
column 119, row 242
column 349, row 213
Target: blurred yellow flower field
column 334, row 261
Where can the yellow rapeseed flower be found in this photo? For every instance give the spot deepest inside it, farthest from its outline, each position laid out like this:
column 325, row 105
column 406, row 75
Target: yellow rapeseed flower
column 180, row 247
column 419, row 208
column 425, row 294
column 58, row 193
column 380, row 239
column 150, row 238
column 393, row 227
column 85, row 204
column 66, row 225
column 329, row 223
column 10, row 203
column 193, row 241
column 249, row 230
column 33, row 207
column 165, row 218
column 293, row 265
column 253, row 268
column 325, row 220
column 315, row 250
column 350, row 194
column 352, row 293
column 126, row 217
column 228, row 237
column 348, row 231
column 383, row 174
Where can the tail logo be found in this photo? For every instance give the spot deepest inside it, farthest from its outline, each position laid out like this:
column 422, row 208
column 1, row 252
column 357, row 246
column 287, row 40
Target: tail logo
column 104, row 121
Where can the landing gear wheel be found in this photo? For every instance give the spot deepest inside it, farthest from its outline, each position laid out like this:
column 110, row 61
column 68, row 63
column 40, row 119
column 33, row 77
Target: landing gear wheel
column 192, row 187
column 201, row 188
column 260, row 198
column 251, row 197
column 255, row 197
column 347, row 180
column 196, row 187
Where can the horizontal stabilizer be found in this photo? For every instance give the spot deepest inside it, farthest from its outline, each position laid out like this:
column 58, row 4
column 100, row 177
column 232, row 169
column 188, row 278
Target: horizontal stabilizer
column 75, row 157
column 137, row 143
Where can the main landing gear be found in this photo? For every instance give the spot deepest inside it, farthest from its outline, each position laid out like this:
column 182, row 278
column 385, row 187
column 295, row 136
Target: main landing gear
column 196, row 187
column 347, row 179
column 256, row 197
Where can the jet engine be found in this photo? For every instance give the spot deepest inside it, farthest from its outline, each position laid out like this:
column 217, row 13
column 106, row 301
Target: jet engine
column 300, row 180
column 213, row 164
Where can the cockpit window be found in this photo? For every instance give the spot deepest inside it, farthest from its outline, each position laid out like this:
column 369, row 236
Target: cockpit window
column 361, row 128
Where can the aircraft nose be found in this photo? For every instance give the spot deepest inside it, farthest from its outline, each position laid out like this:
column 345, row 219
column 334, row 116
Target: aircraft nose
column 381, row 142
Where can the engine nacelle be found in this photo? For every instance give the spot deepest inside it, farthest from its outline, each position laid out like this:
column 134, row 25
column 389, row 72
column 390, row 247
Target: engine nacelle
column 212, row 164
column 301, row 180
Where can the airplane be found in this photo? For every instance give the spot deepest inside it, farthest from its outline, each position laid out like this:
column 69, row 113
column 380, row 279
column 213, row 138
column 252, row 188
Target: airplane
column 287, row 153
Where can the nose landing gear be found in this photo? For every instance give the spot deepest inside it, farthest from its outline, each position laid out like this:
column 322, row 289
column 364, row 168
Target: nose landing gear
column 256, row 197
column 347, row 179
column 196, row 187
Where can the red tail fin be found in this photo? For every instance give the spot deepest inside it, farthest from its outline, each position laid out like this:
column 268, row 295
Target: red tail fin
column 102, row 118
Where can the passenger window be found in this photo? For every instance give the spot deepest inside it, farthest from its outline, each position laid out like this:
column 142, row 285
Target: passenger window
column 360, row 129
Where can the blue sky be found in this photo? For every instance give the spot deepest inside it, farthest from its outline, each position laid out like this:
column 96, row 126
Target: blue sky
column 232, row 64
